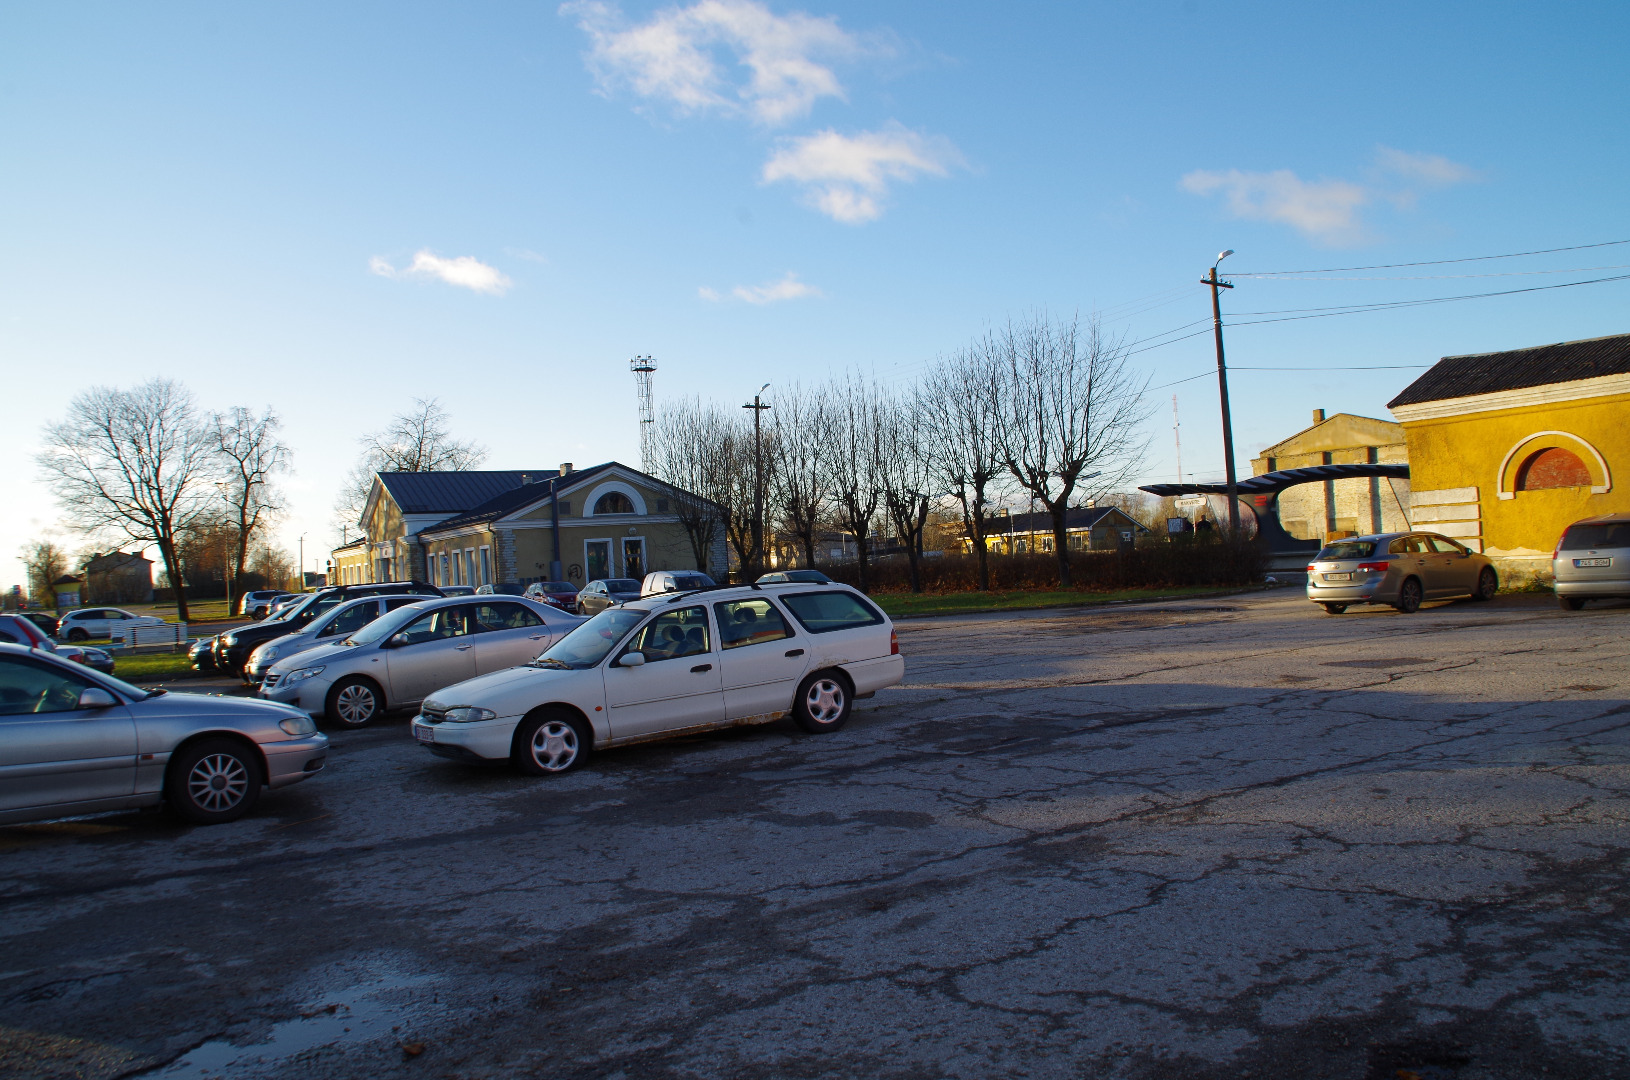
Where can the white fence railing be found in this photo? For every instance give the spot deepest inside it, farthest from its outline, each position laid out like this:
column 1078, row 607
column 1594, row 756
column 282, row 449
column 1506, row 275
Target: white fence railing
column 129, row 635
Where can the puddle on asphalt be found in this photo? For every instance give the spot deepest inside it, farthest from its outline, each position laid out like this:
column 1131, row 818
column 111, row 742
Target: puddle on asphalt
column 351, row 1017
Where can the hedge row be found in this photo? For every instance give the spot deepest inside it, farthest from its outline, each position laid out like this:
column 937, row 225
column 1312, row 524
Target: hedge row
column 1158, row 565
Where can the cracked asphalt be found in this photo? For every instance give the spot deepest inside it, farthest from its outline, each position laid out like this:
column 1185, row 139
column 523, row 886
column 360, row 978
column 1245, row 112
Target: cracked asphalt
column 1219, row 838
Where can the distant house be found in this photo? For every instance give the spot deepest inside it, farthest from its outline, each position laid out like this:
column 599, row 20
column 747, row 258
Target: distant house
column 1088, row 528
column 67, row 590
column 1340, row 507
column 1507, row 449
column 119, row 577
column 484, row 527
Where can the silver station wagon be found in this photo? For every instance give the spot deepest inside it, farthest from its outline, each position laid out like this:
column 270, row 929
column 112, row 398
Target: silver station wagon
column 76, row 742
column 671, row 665
column 1398, row 569
column 1592, row 561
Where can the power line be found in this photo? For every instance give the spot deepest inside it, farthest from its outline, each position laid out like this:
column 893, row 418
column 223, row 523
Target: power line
column 1433, row 262
column 1448, row 277
column 1290, row 314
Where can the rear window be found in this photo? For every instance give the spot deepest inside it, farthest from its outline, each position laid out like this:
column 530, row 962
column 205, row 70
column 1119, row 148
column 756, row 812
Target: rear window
column 690, row 581
column 622, row 584
column 1607, row 534
column 823, row 612
column 1347, row 549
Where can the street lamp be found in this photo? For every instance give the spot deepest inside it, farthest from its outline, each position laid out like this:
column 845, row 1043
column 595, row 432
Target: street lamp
column 1222, row 391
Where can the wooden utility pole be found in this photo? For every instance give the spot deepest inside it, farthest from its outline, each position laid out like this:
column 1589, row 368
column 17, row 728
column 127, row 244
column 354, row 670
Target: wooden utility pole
column 757, row 556
column 1222, row 390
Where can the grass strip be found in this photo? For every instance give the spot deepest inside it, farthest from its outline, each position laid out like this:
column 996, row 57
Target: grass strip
column 150, row 667
column 910, row 605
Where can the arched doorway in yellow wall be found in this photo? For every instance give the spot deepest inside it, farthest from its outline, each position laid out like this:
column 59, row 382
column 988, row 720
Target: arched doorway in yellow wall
column 1552, row 459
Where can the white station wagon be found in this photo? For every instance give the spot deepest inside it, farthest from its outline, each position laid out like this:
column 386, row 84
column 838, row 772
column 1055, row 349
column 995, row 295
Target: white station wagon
column 672, row 665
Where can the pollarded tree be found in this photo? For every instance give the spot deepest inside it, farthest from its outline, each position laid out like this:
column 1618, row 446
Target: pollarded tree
column 907, row 475
column 960, row 405
column 693, row 447
column 799, row 493
column 251, row 455
column 856, row 463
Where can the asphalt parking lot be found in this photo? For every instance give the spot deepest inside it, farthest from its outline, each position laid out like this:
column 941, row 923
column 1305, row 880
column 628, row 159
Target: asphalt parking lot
column 1221, row 838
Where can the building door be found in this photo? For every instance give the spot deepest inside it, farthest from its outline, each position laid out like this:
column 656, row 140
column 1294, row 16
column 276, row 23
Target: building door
column 634, row 557
column 597, row 557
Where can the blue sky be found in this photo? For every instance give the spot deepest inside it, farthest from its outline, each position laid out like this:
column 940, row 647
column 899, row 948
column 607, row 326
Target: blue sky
column 333, row 209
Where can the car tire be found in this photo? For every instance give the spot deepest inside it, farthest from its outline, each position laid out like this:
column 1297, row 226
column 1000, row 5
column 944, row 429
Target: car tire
column 354, row 702
column 1571, row 603
column 1488, row 583
column 550, row 741
column 1335, row 609
column 1409, row 596
column 823, row 702
column 213, row 781
column 78, row 633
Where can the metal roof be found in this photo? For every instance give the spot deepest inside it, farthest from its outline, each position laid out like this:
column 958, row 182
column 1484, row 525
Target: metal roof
column 515, row 498
column 453, row 492
column 1076, row 517
column 1275, row 482
column 1488, row 373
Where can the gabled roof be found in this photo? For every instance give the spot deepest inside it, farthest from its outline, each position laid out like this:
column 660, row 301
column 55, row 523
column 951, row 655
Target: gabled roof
column 1339, row 431
column 507, row 502
column 1518, row 369
column 115, row 560
column 453, row 492
column 1076, row 517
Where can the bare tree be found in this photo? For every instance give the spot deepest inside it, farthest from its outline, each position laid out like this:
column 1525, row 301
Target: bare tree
column 691, row 459
column 44, row 563
column 1071, row 404
column 736, row 490
column 133, row 462
column 907, row 476
column 960, row 405
column 251, row 454
column 415, row 441
column 800, row 452
column 856, row 463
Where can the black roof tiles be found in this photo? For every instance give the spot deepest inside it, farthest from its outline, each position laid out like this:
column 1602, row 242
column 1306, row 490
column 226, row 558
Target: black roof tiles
column 1518, row 369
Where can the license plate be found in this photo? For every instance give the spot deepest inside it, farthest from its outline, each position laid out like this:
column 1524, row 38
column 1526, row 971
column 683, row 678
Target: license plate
column 1593, row 562
column 1338, row 577
column 424, row 734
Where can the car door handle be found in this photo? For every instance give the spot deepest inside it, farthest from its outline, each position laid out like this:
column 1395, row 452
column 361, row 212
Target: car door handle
column 540, row 637
column 701, row 668
column 461, row 648
column 795, row 652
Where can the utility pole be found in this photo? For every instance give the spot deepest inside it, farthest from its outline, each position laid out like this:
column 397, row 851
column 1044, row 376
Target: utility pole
column 1222, row 390
column 302, row 562
column 1177, row 437
column 758, row 483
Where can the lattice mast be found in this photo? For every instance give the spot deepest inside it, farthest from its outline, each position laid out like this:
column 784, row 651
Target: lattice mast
column 642, row 366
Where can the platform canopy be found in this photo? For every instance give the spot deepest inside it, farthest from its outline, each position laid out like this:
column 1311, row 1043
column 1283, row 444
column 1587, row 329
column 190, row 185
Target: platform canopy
column 1275, row 482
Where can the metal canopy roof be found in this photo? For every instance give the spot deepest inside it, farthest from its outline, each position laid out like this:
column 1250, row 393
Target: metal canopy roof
column 1275, row 482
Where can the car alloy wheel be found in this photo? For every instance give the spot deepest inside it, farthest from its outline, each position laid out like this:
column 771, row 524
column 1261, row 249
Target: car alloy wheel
column 822, row 703
column 554, row 746
column 218, row 782
column 1409, row 596
column 213, row 781
column 1488, row 583
column 353, row 703
column 550, row 741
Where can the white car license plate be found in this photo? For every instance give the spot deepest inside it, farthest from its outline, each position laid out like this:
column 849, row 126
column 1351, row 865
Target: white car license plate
column 1593, row 562
column 1338, row 577
column 424, row 734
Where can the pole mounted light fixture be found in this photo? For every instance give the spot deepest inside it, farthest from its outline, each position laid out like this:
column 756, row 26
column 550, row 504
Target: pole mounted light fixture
column 1216, row 283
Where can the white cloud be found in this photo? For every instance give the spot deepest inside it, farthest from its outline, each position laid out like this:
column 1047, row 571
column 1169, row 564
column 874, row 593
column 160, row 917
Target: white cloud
column 1324, row 210
column 1432, row 170
column 465, row 271
column 708, row 294
column 846, row 177
column 675, row 56
column 771, row 292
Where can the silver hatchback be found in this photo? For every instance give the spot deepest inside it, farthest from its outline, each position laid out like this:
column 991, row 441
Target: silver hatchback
column 1592, row 561
column 1398, row 569
column 76, row 742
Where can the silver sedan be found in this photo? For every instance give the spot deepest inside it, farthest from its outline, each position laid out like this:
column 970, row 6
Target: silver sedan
column 1398, row 569
column 76, row 742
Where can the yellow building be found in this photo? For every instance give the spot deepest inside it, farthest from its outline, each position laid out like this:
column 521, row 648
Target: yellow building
column 1507, row 449
column 1368, row 504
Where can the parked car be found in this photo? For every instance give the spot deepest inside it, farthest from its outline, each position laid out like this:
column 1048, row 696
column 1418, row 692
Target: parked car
column 42, row 619
column 562, row 594
column 202, row 654
column 668, row 581
column 232, row 648
column 416, row 650
column 668, row 666
column 781, row 577
column 458, row 590
column 257, row 603
column 1400, row 569
column 602, row 593
column 1592, row 561
column 502, row 588
column 283, row 603
column 20, row 630
column 336, row 624
column 82, row 624
column 76, row 742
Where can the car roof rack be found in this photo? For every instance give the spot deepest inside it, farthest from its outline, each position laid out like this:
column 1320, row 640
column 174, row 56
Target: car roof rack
column 680, row 594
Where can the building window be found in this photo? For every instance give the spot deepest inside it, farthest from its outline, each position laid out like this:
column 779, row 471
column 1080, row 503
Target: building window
column 486, row 566
column 1553, row 467
column 1273, row 466
column 614, row 502
column 662, row 506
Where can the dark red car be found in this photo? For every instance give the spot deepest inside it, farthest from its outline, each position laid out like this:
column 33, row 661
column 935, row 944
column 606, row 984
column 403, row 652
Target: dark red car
column 561, row 594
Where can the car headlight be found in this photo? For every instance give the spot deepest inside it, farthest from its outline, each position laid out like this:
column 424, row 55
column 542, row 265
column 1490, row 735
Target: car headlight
column 267, row 654
column 298, row 725
column 230, row 639
column 302, row 675
column 468, row 714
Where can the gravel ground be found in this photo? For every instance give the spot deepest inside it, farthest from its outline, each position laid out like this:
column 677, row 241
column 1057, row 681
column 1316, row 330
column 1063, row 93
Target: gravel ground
column 1220, row 838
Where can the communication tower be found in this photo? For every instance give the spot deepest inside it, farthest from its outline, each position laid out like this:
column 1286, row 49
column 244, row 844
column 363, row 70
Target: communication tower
column 642, row 366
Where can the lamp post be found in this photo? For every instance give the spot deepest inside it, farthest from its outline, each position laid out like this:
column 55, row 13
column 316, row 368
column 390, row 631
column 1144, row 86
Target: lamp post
column 1222, row 390
column 758, row 483
column 302, row 571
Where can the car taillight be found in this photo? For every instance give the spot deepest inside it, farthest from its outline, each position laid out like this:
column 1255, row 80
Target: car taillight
column 1372, row 567
column 1311, row 568
column 894, row 643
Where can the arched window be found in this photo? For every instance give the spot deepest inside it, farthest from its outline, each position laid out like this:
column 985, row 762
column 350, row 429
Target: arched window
column 1552, row 467
column 613, row 502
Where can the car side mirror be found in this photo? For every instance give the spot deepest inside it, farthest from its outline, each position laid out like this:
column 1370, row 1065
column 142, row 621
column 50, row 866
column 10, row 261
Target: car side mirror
column 631, row 659
column 395, row 641
column 94, row 697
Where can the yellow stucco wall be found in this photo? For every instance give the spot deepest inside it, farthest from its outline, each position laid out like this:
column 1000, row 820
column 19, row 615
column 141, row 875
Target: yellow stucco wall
column 1520, row 531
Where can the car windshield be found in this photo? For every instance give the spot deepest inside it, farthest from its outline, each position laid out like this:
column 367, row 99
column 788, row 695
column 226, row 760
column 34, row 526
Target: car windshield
column 1347, row 549
column 1600, row 534
column 557, row 586
column 384, row 626
column 622, row 584
column 588, row 644
column 291, row 611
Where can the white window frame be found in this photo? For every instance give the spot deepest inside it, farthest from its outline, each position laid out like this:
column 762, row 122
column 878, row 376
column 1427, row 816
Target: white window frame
column 622, row 555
